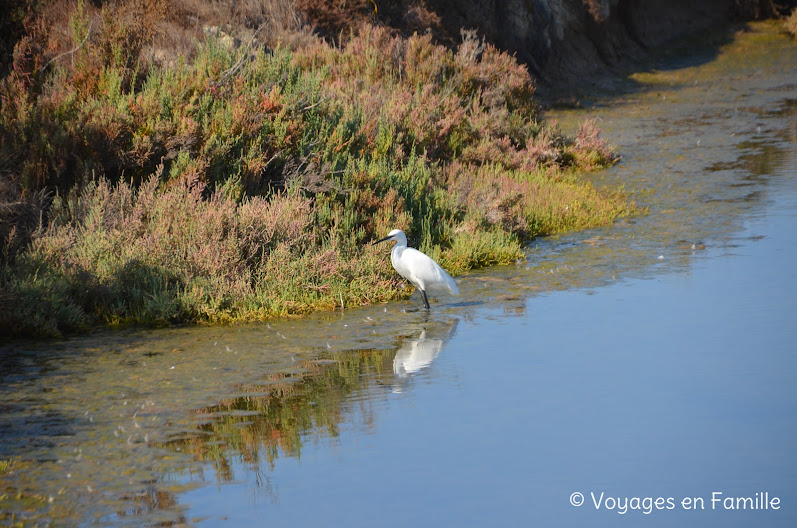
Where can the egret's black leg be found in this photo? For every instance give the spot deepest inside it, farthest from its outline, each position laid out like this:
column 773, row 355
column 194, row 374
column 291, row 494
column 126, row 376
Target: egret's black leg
column 425, row 300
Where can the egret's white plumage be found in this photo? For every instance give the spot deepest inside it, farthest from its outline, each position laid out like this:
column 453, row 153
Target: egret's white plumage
column 422, row 272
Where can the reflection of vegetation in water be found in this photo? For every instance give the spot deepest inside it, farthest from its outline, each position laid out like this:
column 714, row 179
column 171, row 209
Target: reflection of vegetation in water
column 266, row 419
column 152, row 501
column 761, row 160
column 99, row 426
column 263, row 420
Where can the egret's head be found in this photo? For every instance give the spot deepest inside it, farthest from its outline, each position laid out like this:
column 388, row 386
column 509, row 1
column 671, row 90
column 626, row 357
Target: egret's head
column 397, row 235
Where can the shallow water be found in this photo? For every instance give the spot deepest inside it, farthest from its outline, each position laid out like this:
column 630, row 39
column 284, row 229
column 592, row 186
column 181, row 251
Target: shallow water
column 652, row 359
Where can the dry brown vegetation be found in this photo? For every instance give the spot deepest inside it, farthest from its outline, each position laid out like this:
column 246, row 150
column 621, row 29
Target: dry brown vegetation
column 790, row 24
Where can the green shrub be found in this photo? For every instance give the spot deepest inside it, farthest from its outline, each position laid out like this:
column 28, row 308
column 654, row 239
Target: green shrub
column 244, row 183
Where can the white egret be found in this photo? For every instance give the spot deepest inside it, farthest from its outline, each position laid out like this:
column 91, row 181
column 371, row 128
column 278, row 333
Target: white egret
column 422, row 272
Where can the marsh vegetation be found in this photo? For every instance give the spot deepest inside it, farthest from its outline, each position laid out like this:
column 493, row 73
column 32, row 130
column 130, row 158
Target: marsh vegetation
column 239, row 181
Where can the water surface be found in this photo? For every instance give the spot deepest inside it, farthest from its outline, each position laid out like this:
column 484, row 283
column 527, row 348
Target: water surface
column 652, row 359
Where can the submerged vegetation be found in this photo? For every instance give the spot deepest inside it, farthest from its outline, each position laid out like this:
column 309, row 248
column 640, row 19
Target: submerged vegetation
column 241, row 182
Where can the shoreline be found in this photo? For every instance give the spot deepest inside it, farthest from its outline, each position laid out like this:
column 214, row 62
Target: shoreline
column 337, row 152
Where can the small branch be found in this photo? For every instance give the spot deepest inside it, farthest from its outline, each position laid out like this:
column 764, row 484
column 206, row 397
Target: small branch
column 244, row 55
column 310, row 107
column 70, row 52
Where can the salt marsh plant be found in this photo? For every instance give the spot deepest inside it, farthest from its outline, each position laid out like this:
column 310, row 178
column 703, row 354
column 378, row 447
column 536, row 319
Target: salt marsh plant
column 241, row 182
column 790, row 23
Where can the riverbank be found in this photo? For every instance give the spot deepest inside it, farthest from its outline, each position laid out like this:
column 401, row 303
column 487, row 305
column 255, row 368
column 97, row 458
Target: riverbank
column 241, row 182
column 668, row 336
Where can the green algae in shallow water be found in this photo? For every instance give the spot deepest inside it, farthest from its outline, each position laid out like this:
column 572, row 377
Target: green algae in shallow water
column 755, row 44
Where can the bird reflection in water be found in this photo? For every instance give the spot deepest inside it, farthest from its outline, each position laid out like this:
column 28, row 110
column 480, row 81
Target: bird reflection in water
column 416, row 354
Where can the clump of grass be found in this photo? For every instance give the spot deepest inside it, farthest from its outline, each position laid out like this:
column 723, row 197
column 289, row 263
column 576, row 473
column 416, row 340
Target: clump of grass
column 790, row 23
column 243, row 184
column 6, row 465
column 121, row 254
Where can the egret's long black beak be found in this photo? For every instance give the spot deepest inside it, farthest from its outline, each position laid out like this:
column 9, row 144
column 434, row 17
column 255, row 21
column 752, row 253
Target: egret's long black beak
column 382, row 240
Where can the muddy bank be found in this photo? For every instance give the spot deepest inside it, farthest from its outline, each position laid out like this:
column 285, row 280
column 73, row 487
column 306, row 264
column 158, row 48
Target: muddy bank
column 559, row 40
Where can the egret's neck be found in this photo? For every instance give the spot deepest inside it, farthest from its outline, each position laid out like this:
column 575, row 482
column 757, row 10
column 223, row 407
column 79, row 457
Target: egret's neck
column 398, row 248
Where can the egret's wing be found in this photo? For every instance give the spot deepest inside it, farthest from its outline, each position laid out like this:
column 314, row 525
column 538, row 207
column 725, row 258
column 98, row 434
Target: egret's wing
column 449, row 282
column 426, row 272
